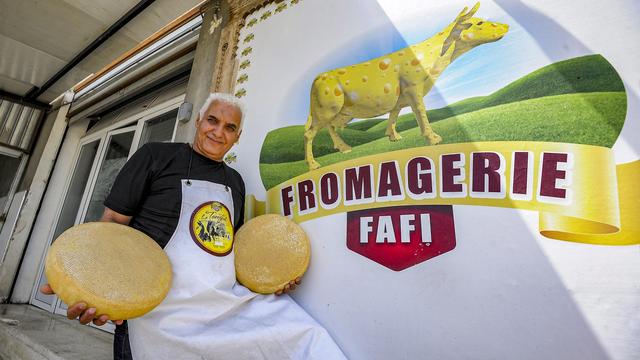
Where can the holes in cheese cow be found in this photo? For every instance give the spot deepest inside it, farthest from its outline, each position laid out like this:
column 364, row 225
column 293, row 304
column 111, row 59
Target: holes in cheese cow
column 417, row 59
column 384, row 64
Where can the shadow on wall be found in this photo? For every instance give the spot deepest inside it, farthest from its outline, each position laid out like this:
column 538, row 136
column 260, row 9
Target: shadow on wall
column 558, row 44
column 509, row 289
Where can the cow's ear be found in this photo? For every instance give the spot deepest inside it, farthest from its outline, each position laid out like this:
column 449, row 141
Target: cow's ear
column 473, row 11
column 460, row 15
column 464, row 15
column 453, row 36
column 458, row 26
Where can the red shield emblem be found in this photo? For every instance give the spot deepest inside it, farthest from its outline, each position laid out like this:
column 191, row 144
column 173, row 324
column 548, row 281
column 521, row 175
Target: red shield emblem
column 401, row 237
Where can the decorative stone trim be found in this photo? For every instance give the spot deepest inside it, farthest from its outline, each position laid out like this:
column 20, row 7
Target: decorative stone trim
column 242, row 49
column 235, row 52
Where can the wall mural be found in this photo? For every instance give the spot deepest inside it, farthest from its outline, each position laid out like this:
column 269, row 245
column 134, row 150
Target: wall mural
column 470, row 136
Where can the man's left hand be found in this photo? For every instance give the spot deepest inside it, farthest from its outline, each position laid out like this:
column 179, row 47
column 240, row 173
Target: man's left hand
column 290, row 286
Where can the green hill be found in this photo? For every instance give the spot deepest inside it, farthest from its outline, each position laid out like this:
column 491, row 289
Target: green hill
column 287, row 144
column 586, row 74
column 587, row 118
column 590, row 73
column 365, row 124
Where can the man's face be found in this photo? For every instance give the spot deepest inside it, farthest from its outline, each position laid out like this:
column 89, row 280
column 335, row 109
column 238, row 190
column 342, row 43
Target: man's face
column 218, row 130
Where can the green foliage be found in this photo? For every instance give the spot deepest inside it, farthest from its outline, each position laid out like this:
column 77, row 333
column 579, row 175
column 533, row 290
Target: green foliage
column 287, row 144
column 582, row 118
column 591, row 73
column 364, row 125
column 580, row 100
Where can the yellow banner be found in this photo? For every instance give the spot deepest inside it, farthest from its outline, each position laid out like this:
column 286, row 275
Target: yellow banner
column 580, row 192
column 569, row 228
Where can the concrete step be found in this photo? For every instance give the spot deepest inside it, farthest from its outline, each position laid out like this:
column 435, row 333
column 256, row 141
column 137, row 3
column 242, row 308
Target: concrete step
column 27, row 332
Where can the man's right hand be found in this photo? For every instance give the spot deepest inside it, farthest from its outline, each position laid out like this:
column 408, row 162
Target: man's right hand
column 79, row 310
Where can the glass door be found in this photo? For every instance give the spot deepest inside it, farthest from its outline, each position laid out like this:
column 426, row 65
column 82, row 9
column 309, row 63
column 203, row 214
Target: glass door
column 10, row 161
column 114, row 157
column 70, row 206
column 11, row 166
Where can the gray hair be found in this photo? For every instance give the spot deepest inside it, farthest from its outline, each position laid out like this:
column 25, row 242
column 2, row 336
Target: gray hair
column 226, row 98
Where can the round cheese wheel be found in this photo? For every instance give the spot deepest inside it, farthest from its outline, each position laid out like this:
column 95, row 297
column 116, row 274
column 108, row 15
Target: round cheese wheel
column 270, row 250
column 116, row 269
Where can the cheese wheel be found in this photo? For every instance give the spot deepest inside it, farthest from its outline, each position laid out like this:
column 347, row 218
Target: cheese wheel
column 116, row 269
column 270, row 250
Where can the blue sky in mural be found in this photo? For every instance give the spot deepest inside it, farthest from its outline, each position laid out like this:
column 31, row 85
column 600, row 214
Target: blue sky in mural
column 481, row 71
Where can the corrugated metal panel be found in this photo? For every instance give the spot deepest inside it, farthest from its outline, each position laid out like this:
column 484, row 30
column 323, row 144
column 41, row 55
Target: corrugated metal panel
column 17, row 124
column 27, row 137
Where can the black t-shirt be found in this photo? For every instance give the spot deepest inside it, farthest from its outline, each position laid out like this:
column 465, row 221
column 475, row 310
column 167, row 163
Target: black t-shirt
column 149, row 187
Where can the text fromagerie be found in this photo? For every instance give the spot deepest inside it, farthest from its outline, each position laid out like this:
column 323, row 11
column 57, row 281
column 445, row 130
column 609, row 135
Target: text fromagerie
column 486, row 174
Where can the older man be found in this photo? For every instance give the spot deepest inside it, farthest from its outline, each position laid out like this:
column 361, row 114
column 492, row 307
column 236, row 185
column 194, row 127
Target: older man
column 207, row 314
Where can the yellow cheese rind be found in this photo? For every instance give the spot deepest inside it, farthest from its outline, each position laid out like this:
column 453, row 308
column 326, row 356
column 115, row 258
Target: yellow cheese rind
column 116, row 269
column 270, row 250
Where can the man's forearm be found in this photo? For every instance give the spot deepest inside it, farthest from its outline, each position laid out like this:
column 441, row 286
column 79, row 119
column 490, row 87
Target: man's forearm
column 113, row 216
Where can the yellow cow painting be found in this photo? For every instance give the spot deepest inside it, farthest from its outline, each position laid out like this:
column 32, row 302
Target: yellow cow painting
column 391, row 82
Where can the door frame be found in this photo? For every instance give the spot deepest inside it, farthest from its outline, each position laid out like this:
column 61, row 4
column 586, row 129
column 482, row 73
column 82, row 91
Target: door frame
column 52, row 228
column 16, row 180
column 4, row 212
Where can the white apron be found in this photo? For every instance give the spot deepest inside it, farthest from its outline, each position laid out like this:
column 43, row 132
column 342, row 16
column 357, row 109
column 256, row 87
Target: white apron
column 207, row 314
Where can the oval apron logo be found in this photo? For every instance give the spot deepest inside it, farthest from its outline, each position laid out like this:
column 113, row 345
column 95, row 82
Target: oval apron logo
column 211, row 228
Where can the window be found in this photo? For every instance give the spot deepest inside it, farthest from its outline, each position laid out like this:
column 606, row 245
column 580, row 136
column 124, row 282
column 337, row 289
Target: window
column 159, row 129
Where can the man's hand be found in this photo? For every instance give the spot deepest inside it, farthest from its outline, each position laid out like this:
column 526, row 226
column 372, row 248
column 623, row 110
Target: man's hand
column 79, row 310
column 290, row 286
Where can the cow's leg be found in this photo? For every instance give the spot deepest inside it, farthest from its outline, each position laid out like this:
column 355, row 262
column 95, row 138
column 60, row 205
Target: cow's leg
column 327, row 99
column 420, row 112
column 309, row 133
column 391, row 125
column 338, row 143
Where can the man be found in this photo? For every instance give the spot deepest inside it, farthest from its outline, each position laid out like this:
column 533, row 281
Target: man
column 206, row 313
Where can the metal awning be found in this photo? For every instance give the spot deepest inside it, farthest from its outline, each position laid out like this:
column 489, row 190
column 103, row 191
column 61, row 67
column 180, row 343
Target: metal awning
column 18, row 124
column 39, row 38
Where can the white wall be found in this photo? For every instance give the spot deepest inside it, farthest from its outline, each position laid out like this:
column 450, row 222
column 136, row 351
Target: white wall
column 505, row 291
